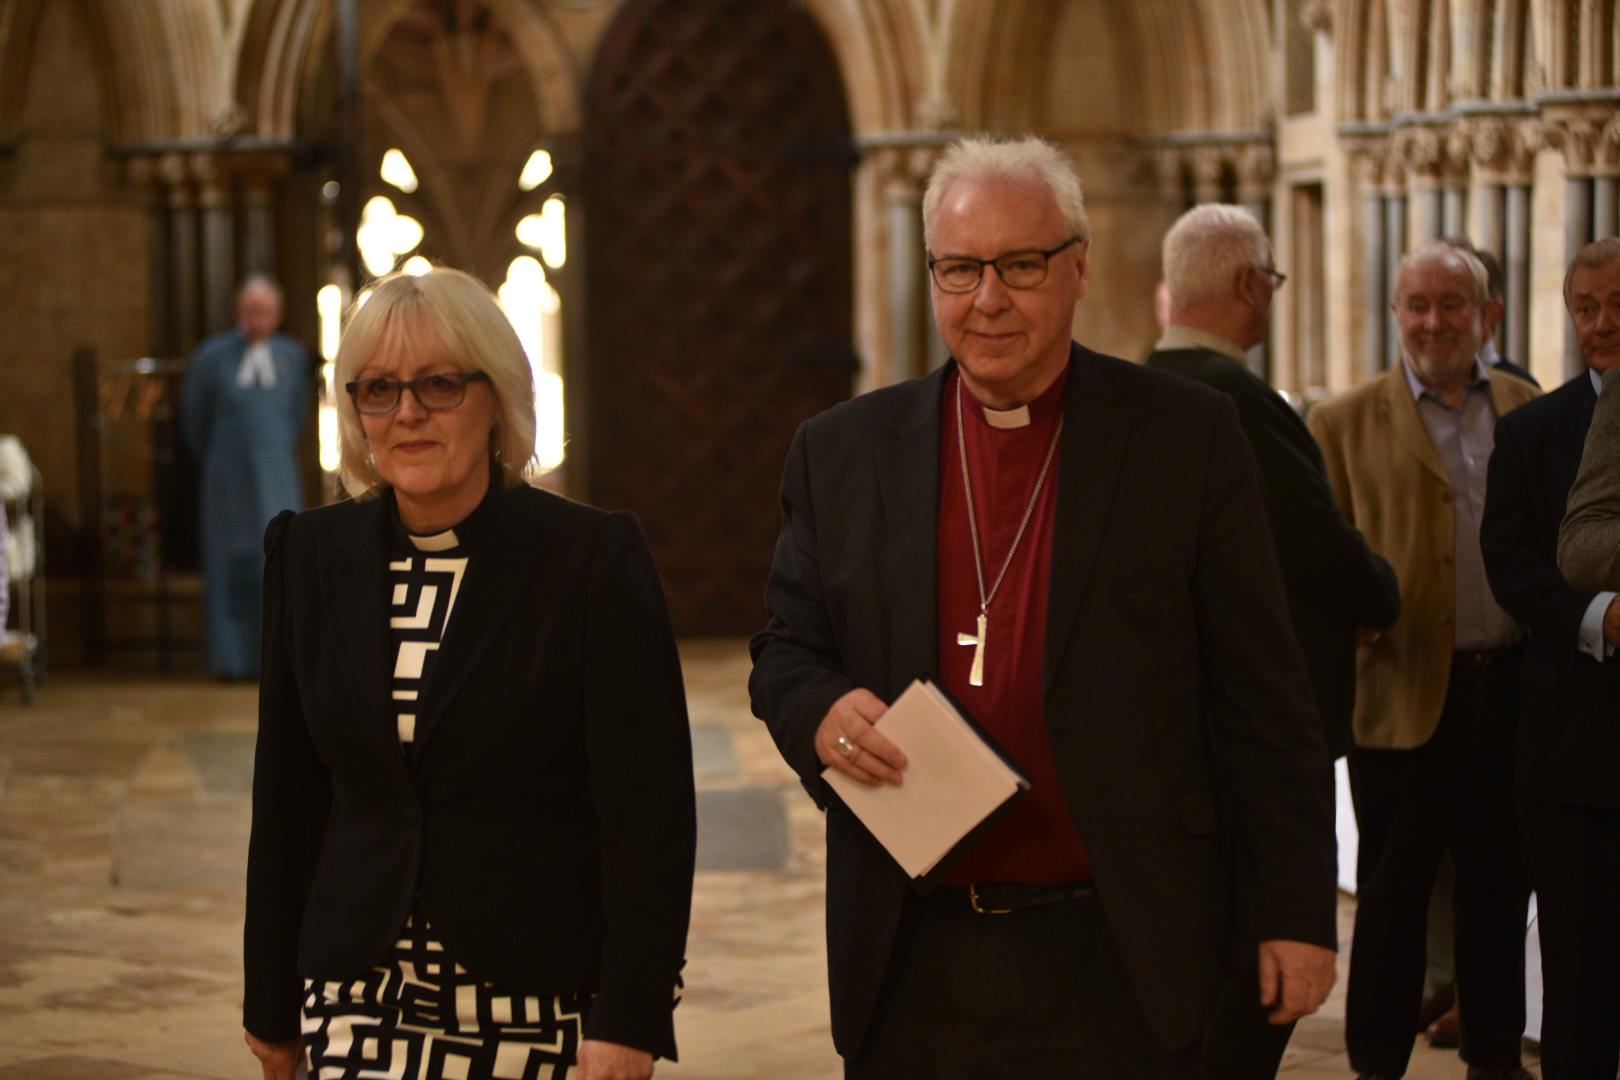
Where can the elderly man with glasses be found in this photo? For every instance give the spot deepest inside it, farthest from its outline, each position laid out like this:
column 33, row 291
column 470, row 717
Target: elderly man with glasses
column 1219, row 268
column 1075, row 548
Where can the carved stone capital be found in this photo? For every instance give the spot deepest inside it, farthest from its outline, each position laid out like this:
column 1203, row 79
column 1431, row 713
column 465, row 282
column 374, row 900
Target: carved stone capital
column 1208, row 164
column 170, row 171
column 1368, row 158
column 1256, row 165
column 1420, row 152
column 1167, row 165
column 1317, row 15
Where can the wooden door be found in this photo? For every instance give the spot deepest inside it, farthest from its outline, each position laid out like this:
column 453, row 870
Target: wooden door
column 718, row 274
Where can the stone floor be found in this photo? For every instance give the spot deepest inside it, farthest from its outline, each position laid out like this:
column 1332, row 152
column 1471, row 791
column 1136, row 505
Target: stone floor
column 123, row 825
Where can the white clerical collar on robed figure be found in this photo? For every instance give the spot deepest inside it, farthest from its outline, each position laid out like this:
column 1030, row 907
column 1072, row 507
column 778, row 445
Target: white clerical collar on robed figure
column 258, row 365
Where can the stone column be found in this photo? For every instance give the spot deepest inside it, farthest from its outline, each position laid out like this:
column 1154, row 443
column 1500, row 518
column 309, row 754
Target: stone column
column 1606, row 181
column 258, row 225
column 1394, row 248
column 907, row 283
column 1369, row 175
column 1256, row 170
column 1169, row 165
column 183, row 280
column 1578, row 135
column 218, row 241
column 1454, row 183
column 1516, row 266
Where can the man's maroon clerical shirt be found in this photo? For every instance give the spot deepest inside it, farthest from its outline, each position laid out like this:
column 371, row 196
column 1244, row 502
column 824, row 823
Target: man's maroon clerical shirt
column 1035, row 842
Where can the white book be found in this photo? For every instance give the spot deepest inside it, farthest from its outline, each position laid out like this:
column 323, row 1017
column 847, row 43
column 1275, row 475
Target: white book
column 955, row 779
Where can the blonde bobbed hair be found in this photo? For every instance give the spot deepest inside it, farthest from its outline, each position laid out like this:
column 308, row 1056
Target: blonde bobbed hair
column 449, row 314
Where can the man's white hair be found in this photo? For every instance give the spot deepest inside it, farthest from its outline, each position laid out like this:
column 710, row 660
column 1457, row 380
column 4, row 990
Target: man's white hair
column 1207, row 248
column 1027, row 159
column 1440, row 251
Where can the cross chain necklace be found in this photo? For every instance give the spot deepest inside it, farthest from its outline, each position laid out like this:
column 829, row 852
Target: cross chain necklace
column 976, row 676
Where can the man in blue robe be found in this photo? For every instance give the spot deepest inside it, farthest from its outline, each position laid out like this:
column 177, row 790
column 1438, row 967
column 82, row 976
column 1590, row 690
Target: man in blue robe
column 246, row 401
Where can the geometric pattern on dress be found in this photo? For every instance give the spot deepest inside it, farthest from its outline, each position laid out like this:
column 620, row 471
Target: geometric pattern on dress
column 424, row 594
column 420, row 1015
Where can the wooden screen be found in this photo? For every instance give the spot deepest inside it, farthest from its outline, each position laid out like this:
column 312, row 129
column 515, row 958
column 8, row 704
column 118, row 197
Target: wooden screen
column 717, row 217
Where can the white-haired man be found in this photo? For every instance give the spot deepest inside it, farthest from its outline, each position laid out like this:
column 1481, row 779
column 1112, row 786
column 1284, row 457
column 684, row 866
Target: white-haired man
column 1133, row 677
column 1436, row 697
column 1221, row 274
column 246, row 401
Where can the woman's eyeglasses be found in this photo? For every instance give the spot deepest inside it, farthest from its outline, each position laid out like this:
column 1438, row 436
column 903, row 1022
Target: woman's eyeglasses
column 435, row 393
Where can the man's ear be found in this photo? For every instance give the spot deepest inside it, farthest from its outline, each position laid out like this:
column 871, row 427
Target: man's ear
column 1082, row 266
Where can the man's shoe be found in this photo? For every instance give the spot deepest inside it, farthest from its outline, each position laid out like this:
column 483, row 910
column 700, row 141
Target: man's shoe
column 1433, row 1008
column 1446, row 1031
column 1512, row 1072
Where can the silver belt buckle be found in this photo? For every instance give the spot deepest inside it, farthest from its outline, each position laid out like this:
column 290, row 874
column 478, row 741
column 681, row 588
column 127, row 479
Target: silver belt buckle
column 973, row 902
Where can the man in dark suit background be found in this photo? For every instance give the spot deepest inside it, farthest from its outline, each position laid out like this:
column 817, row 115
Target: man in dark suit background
column 1495, row 309
column 1075, row 547
column 1568, row 739
column 1221, row 274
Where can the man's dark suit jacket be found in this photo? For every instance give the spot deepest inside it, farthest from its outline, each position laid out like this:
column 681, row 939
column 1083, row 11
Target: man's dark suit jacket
column 1167, row 645
column 1508, row 367
column 1336, row 584
column 1569, row 737
column 544, row 823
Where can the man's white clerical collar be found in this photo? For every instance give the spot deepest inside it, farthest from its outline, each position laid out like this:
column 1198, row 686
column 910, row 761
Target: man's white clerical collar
column 1007, row 419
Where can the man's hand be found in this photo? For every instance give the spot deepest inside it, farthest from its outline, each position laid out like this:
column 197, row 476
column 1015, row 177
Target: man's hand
column 1366, row 635
column 278, row 1060
column 867, row 756
column 1611, row 622
column 610, row 1061
column 1295, row 978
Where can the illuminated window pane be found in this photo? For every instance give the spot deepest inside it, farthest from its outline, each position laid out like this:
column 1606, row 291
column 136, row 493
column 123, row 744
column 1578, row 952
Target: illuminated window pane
column 554, row 232
column 534, row 309
column 385, row 235
column 536, row 171
column 396, row 170
column 329, row 307
column 327, row 426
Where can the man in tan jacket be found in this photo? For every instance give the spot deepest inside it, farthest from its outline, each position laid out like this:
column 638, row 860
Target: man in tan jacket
column 1436, row 697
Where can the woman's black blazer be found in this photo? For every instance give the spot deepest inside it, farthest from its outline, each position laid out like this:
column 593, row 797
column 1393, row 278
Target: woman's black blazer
column 544, row 825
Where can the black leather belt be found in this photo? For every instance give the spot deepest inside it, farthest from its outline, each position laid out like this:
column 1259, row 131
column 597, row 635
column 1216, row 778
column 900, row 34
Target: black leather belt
column 1483, row 658
column 999, row 899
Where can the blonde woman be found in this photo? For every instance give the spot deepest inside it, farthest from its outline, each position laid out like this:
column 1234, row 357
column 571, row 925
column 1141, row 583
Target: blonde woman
column 473, row 825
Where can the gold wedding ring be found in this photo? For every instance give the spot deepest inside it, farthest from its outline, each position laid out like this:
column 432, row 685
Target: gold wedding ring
column 845, row 747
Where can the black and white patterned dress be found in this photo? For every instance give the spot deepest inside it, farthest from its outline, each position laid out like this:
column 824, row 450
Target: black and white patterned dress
column 420, row 1014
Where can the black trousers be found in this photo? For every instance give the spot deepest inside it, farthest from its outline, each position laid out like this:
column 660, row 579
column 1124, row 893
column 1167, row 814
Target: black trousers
column 1453, row 793
column 1040, row 992
column 1573, row 856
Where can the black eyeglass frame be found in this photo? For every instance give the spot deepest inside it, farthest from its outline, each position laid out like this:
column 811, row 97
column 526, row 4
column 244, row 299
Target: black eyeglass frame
column 1046, row 259
column 462, row 377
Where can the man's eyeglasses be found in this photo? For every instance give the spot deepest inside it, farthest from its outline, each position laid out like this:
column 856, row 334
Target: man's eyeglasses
column 1017, row 269
column 435, row 393
column 1277, row 276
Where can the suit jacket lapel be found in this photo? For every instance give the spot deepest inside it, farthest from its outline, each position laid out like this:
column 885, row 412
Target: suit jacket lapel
column 1095, row 433
column 502, row 562
column 354, row 583
column 908, row 478
column 1405, row 422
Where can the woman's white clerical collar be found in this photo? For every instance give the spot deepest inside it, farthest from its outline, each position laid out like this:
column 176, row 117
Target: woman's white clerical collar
column 1007, row 419
column 442, row 541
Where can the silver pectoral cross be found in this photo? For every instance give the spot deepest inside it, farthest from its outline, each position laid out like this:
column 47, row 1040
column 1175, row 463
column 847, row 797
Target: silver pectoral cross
column 976, row 676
